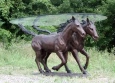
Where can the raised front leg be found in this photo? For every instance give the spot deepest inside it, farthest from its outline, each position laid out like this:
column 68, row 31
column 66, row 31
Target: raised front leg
column 87, row 57
column 75, row 55
column 63, row 61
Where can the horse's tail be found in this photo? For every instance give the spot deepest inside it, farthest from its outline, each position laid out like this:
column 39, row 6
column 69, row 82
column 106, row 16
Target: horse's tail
column 26, row 31
column 38, row 29
column 42, row 30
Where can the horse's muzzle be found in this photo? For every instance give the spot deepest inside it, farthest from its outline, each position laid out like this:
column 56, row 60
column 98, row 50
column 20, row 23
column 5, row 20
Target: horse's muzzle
column 95, row 38
column 83, row 35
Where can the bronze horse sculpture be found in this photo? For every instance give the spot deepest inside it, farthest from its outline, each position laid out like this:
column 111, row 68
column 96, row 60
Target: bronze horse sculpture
column 57, row 43
column 77, row 43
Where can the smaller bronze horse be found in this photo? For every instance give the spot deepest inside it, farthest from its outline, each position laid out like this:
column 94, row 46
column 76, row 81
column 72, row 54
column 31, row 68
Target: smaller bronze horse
column 55, row 43
column 77, row 43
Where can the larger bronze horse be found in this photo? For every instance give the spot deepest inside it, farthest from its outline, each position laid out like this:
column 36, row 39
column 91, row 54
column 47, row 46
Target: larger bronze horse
column 55, row 43
column 77, row 43
column 77, row 40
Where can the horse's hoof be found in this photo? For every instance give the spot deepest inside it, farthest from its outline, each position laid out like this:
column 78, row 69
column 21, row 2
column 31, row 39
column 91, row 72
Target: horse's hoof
column 55, row 68
column 85, row 67
column 84, row 72
column 41, row 71
column 48, row 71
column 69, row 71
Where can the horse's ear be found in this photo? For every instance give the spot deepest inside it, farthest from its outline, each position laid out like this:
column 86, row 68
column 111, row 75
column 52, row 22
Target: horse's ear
column 87, row 20
column 83, row 21
column 73, row 18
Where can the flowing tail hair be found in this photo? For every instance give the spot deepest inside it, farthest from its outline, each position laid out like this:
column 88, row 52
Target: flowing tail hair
column 25, row 30
column 42, row 30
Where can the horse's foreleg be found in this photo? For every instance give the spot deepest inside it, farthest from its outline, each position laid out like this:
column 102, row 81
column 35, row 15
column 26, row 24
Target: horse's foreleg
column 87, row 58
column 75, row 55
column 63, row 61
column 67, row 69
column 66, row 58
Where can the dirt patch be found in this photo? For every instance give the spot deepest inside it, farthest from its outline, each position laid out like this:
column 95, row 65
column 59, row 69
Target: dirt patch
column 18, row 79
column 22, row 75
column 52, row 78
column 36, row 78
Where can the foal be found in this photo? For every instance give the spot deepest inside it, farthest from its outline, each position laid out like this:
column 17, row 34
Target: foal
column 55, row 43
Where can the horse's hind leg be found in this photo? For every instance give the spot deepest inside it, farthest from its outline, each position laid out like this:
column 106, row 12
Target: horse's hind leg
column 45, row 62
column 38, row 60
column 46, row 57
column 37, row 49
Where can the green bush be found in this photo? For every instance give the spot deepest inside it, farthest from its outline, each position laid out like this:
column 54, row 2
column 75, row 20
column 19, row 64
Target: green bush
column 21, row 8
column 5, row 37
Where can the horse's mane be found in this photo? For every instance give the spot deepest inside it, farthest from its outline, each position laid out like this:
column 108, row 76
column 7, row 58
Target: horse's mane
column 63, row 25
column 85, row 23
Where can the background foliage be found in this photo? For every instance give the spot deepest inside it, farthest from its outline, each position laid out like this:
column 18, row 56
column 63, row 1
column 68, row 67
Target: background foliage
column 10, row 9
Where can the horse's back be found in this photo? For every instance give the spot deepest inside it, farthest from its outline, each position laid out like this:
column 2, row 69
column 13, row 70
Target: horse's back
column 45, row 42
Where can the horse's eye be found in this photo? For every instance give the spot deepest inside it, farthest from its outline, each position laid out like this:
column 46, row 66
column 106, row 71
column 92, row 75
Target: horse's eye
column 91, row 28
column 77, row 25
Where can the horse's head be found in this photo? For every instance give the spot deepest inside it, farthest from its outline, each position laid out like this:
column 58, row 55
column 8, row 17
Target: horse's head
column 90, row 29
column 77, row 27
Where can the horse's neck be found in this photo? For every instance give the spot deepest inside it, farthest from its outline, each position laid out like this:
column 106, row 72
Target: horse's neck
column 67, row 33
column 85, row 29
column 79, row 38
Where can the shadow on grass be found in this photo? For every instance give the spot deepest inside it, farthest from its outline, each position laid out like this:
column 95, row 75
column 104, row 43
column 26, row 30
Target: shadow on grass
column 60, row 74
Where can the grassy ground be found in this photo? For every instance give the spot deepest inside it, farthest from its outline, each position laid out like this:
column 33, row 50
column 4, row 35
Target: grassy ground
column 19, row 60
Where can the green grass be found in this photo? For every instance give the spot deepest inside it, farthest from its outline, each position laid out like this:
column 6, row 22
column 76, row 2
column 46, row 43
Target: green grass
column 20, row 58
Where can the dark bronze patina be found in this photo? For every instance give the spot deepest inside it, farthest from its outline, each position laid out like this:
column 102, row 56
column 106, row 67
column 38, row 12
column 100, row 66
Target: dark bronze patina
column 77, row 44
column 57, row 43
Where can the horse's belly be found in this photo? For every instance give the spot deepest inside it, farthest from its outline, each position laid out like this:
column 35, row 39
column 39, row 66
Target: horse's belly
column 52, row 48
column 48, row 47
column 79, row 47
